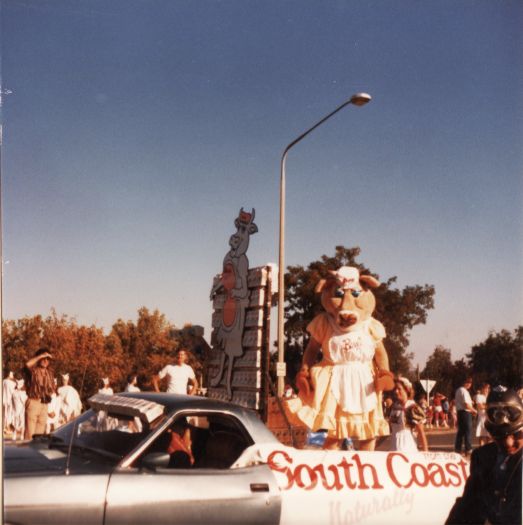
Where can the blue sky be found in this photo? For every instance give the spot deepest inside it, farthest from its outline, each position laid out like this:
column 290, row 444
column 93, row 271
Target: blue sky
column 137, row 129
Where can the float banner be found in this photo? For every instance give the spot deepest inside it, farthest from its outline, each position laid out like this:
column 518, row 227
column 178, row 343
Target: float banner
column 349, row 488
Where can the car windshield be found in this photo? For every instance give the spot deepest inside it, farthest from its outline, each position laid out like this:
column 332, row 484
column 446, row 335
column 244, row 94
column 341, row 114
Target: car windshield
column 111, row 435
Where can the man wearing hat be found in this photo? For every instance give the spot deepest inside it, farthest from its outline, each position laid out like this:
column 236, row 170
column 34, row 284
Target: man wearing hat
column 40, row 388
column 493, row 490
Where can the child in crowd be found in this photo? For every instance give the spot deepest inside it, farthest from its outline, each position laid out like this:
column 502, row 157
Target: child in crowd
column 406, row 419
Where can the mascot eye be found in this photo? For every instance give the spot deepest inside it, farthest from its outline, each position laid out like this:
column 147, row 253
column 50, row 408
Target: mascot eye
column 339, row 292
column 355, row 293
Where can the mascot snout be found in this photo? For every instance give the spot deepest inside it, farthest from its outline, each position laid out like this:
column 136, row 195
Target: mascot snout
column 347, row 318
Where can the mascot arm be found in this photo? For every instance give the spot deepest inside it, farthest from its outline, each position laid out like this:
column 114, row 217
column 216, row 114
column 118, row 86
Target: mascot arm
column 381, row 357
column 310, row 356
column 377, row 331
column 384, row 380
column 303, row 385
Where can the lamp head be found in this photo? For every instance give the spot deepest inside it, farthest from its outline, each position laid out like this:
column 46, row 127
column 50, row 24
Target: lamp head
column 360, row 99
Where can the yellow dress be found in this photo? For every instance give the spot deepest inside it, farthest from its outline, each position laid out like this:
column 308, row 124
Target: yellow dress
column 344, row 401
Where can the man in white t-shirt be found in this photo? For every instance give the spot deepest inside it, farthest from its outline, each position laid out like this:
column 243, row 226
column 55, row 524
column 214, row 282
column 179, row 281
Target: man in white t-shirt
column 465, row 409
column 179, row 376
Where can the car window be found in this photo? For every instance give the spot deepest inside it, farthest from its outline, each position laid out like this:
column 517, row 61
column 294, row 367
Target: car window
column 200, row 441
column 113, row 435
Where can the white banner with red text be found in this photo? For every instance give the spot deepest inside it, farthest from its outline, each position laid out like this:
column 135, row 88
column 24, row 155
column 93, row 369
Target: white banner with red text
column 351, row 488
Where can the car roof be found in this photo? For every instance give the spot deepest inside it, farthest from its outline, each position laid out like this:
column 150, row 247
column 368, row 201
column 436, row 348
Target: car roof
column 176, row 402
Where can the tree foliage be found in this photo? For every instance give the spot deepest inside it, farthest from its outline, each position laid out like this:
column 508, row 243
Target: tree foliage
column 448, row 375
column 142, row 347
column 498, row 359
column 83, row 352
column 399, row 310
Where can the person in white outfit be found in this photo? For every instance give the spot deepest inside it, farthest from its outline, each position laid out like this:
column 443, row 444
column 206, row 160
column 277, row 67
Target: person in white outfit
column 181, row 377
column 19, row 400
column 8, row 387
column 53, row 412
column 132, row 384
column 480, row 400
column 405, row 418
column 71, row 405
column 106, row 388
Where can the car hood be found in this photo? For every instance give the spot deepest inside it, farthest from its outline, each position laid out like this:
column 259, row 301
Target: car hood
column 33, row 457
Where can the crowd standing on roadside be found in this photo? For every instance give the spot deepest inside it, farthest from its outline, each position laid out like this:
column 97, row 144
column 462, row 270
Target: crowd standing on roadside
column 34, row 404
column 38, row 403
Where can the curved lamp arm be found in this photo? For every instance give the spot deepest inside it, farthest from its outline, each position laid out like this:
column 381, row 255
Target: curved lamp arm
column 359, row 99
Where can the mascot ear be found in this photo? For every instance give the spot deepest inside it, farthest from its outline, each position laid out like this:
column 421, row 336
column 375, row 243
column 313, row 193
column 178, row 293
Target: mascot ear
column 320, row 286
column 369, row 281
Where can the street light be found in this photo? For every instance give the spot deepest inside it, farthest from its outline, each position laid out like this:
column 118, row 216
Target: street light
column 359, row 99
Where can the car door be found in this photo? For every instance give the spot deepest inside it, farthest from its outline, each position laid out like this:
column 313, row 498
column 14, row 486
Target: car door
column 186, row 496
column 203, row 488
column 55, row 499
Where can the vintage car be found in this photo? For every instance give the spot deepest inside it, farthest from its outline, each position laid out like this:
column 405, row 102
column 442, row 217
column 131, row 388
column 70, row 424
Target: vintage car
column 146, row 458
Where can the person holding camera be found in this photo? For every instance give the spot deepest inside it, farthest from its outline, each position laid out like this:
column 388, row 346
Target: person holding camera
column 40, row 388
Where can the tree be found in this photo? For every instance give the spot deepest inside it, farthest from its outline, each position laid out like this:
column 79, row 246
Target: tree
column 439, row 368
column 88, row 355
column 398, row 310
column 81, row 351
column 498, row 359
column 147, row 345
column 150, row 343
column 20, row 340
column 447, row 374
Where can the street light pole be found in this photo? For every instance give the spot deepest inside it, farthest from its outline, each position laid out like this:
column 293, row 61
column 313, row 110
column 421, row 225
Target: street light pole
column 359, row 99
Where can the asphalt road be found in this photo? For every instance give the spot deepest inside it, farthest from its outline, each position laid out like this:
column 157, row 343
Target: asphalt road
column 439, row 439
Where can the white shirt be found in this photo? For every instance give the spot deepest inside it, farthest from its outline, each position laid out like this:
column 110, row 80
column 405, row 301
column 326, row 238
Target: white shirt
column 71, row 403
column 462, row 398
column 480, row 399
column 401, row 434
column 19, row 399
column 131, row 388
column 178, row 376
column 8, row 388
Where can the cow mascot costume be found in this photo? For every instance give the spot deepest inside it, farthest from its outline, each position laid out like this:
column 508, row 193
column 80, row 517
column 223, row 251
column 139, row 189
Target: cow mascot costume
column 342, row 392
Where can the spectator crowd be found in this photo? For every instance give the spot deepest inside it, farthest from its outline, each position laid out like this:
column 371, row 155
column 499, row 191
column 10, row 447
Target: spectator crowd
column 36, row 401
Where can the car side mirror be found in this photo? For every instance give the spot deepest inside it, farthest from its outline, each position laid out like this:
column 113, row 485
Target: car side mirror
column 155, row 460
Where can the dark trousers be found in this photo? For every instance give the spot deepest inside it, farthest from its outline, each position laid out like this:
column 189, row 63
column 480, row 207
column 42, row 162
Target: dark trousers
column 464, row 431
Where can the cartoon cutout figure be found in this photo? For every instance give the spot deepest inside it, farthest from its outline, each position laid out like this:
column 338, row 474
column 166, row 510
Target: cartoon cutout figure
column 343, row 395
column 233, row 281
